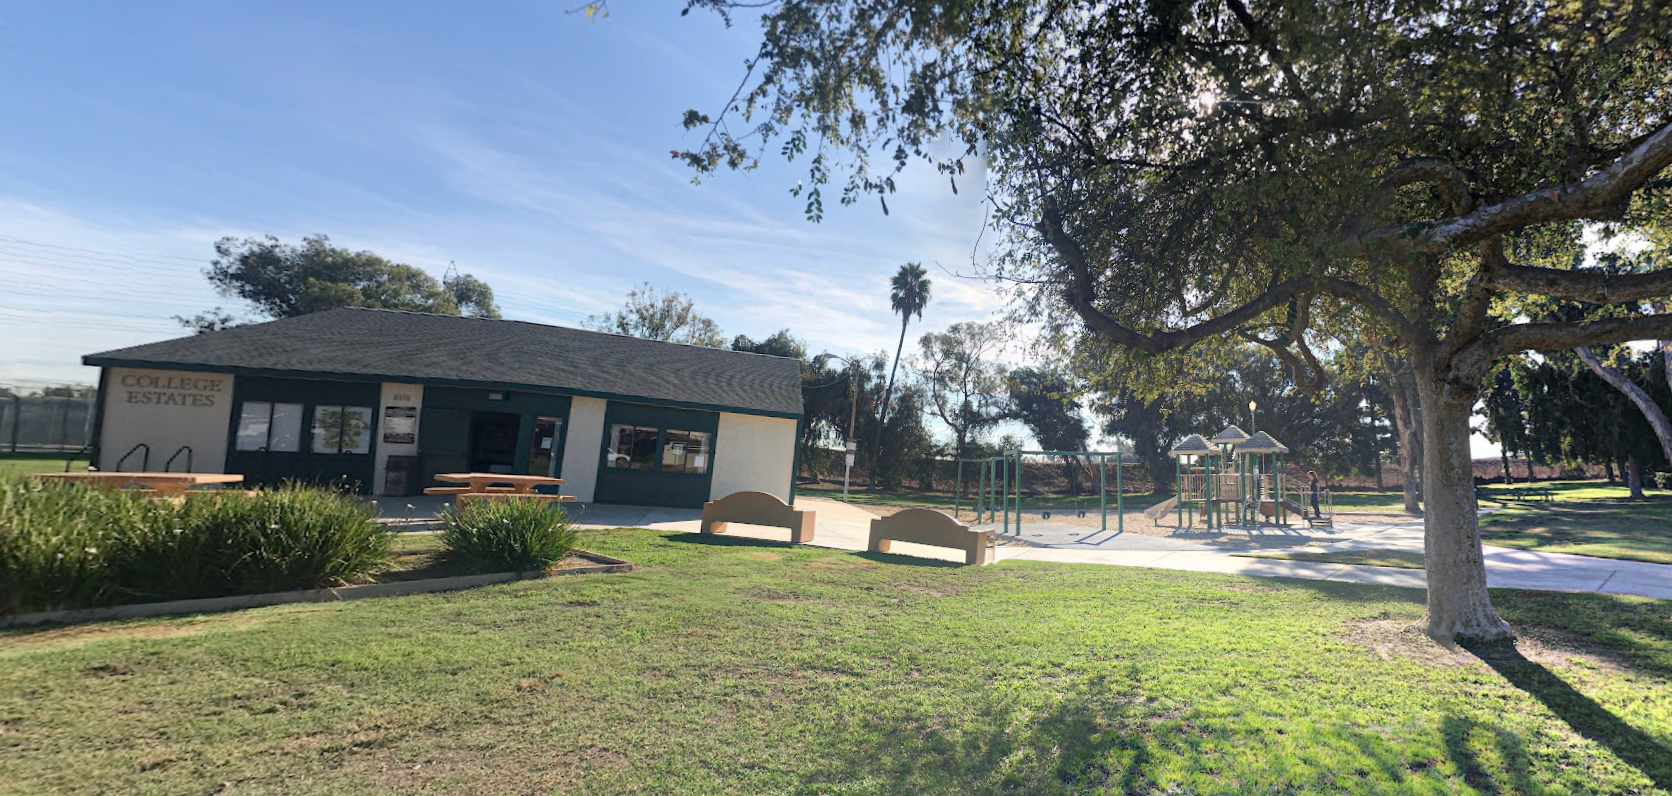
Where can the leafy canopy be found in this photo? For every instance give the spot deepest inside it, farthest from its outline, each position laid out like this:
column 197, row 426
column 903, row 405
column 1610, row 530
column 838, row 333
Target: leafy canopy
column 284, row 280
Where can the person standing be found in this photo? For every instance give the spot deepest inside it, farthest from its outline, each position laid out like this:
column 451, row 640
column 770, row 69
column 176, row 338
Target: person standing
column 1313, row 475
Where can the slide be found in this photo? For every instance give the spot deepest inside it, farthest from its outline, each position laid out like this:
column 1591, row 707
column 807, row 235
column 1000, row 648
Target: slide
column 1159, row 510
column 1268, row 509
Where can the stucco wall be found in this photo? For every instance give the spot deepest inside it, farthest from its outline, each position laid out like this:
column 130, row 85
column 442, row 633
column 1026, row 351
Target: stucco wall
column 166, row 409
column 583, row 447
column 753, row 453
column 396, row 399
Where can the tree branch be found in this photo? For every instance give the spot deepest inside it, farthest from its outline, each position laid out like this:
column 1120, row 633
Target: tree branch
column 1408, row 332
column 1082, row 291
column 1597, row 287
column 1560, row 336
column 1602, row 196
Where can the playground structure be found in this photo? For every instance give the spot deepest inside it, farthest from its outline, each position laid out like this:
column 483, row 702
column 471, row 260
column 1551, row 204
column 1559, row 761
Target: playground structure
column 1234, row 479
column 1000, row 485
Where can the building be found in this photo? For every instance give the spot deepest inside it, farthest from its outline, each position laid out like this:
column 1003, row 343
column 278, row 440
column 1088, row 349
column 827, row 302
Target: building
column 384, row 400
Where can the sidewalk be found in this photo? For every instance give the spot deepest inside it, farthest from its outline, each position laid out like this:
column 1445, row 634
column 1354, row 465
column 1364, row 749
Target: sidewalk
column 1505, row 568
column 842, row 526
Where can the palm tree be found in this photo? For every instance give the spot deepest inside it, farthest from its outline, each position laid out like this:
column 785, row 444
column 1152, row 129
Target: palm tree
column 908, row 293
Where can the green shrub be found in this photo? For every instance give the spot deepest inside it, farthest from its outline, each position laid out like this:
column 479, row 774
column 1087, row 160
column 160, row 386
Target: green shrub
column 289, row 538
column 58, row 541
column 69, row 546
column 506, row 535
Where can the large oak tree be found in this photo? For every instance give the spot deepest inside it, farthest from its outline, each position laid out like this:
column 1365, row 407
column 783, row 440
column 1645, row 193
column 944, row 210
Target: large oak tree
column 1171, row 175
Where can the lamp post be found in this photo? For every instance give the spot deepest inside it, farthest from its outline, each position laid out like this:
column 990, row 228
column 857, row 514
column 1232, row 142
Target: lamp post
column 1253, row 423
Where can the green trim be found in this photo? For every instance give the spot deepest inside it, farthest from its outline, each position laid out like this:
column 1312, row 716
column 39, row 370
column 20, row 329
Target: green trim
column 280, row 373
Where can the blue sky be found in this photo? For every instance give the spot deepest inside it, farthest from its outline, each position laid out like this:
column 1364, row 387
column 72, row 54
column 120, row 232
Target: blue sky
column 526, row 144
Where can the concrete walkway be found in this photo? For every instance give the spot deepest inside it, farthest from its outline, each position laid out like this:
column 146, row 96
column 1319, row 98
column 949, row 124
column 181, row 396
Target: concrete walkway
column 846, row 527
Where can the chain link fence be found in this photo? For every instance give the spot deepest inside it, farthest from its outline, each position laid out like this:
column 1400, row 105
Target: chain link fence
column 46, row 419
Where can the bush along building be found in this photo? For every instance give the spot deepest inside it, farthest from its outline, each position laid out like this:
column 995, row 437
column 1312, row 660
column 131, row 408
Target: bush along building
column 381, row 401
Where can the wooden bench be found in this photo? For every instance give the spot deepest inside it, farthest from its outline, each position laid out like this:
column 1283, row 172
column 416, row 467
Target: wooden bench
column 446, row 490
column 925, row 526
column 757, row 508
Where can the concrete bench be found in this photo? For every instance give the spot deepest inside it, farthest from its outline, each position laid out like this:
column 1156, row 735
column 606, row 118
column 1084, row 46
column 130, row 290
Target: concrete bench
column 757, row 508
column 928, row 527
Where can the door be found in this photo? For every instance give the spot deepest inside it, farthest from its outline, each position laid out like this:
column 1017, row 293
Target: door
column 493, row 442
column 545, row 450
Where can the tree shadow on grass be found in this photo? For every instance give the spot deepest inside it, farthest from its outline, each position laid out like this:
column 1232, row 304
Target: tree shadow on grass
column 1584, row 715
column 1100, row 735
column 1458, row 733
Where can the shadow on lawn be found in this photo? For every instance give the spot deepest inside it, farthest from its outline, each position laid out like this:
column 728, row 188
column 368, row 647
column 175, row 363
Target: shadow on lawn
column 1584, row 715
column 1101, row 735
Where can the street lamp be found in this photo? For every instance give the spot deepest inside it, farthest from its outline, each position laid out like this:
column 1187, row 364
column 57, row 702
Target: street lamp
column 1253, row 423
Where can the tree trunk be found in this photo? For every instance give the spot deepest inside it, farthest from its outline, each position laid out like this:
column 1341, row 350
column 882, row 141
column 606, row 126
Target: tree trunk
column 882, row 414
column 1645, row 403
column 1504, row 451
column 1608, row 467
column 1458, row 603
column 1634, row 477
column 1410, row 445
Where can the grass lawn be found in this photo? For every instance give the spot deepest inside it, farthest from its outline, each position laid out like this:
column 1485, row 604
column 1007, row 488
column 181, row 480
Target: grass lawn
column 1403, row 559
column 16, row 464
column 1608, row 526
column 724, row 666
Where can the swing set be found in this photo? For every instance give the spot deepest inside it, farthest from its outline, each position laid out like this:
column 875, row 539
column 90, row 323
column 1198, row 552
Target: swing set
column 999, row 482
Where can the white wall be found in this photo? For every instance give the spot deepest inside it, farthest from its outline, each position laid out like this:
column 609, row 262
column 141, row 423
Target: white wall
column 753, row 453
column 399, row 396
column 166, row 409
column 583, row 447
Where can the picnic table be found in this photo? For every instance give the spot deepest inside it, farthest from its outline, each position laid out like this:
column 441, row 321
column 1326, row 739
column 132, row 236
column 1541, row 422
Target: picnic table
column 497, row 486
column 163, row 485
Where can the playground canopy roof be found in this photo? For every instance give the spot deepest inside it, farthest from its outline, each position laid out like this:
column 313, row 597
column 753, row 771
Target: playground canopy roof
column 1192, row 445
column 1262, row 442
column 1230, row 436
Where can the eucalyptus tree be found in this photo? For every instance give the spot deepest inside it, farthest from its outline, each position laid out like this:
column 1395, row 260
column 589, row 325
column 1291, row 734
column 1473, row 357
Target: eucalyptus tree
column 1173, row 175
column 967, row 387
column 908, row 294
column 656, row 315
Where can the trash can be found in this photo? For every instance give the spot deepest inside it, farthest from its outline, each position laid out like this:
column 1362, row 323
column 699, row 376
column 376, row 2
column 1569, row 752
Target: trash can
column 400, row 476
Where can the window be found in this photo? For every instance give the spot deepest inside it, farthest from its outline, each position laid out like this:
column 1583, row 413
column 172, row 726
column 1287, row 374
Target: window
column 632, row 447
column 342, row 429
column 685, row 452
column 269, row 426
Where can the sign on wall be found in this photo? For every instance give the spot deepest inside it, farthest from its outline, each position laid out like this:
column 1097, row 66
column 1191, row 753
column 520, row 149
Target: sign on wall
column 171, row 389
column 400, row 424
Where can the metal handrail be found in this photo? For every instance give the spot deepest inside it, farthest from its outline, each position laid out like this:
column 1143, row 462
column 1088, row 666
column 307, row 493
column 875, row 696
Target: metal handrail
column 168, row 466
column 77, row 455
column 144, row 463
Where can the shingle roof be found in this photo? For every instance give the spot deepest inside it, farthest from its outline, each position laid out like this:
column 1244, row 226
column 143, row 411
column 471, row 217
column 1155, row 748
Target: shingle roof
column 407, row 346
column 1230, row 436
column 1262, row 442
column 1192, row 445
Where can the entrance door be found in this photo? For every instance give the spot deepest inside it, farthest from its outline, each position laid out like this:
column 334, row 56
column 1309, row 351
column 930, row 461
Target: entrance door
column 493, row 441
